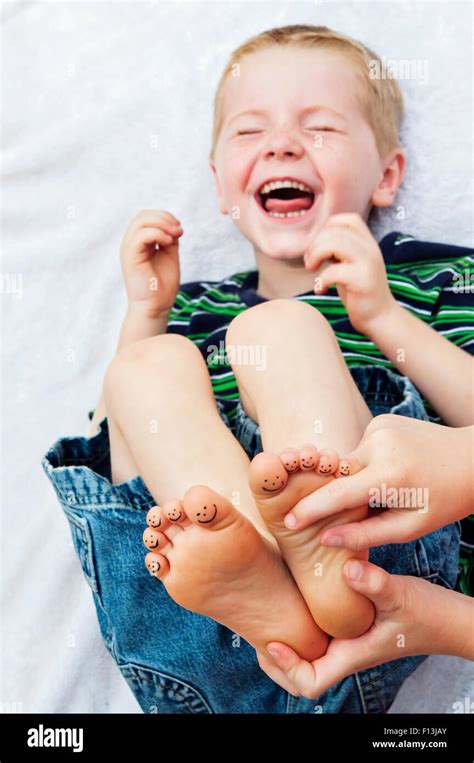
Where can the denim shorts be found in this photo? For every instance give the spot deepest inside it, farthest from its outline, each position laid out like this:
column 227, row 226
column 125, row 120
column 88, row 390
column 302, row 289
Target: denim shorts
column 176, row 661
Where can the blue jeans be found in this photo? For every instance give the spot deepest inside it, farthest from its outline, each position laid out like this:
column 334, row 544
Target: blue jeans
column 176, row 661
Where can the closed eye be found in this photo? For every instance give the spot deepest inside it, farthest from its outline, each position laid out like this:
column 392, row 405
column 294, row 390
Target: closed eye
column 248, row 132
column 322, row 129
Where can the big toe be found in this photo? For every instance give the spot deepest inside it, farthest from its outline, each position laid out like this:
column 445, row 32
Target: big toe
column 208, row 509
column 267, row 475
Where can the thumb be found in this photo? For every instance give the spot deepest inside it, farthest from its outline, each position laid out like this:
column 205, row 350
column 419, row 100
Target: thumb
column 383, row 589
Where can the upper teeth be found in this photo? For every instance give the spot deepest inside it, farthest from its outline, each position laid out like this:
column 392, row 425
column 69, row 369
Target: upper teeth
column 274, row 184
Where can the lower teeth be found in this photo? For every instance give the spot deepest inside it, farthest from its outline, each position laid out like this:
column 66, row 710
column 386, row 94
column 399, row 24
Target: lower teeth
column 288, row 214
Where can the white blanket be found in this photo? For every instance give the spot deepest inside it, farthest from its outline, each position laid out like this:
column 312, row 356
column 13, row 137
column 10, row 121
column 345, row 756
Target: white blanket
column 107, row 111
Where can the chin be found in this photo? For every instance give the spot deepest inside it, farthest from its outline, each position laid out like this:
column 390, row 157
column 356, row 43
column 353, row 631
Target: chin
column 284, row 245
column 282, row 253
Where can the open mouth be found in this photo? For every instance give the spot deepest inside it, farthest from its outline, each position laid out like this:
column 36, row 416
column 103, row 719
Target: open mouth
column 285, row 198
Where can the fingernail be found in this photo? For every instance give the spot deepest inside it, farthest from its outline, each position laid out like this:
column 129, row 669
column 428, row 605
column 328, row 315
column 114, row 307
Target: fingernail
column 274, row 652
column 333, row 540
column 290, row 521
column 354, row 570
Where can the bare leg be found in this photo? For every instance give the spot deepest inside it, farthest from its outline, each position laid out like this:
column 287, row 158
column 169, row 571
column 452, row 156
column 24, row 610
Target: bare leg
column 161, row 406
column 305, row 395
column 306, row 392
column 208, row 554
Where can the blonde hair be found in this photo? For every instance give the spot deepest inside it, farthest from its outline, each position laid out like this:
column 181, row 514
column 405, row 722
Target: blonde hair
column 380, row 99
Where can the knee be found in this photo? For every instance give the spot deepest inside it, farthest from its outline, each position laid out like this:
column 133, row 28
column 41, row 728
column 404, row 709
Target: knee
column 276, row 312
column 158, row 352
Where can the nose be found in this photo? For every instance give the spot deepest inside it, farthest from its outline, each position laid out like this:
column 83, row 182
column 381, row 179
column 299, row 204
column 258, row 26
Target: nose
column 281, row 144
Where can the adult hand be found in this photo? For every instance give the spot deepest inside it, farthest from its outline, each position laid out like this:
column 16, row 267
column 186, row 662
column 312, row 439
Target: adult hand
column 407, row 622
column 399, row 461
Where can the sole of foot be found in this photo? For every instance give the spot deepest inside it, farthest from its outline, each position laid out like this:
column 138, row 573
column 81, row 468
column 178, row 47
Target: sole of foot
column 278, row 482
column 213, row 561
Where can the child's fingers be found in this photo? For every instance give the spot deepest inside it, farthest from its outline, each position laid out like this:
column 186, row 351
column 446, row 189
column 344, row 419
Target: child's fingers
column 153, row 235
column 154, row 216
column 170, row 226
column 333, row 275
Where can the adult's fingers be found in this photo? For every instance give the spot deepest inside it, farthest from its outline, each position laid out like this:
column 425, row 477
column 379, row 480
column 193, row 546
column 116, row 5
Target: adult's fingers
column 383, row 589
column 387, row 527
column 342, row 493
column 312, row 679
column 276, row 674
column 300, row 674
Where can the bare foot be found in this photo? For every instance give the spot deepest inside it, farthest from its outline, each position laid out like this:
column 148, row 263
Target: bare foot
column 278, row 483
column 213, row 561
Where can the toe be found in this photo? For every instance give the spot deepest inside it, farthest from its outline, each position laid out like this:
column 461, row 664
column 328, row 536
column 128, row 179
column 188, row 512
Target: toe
column 207, row 509
column 348, row 466
column 309, row 457
column 174, row 512
column 290, row 459
column 154, row 539
column 267, row 476
column 154, row 518
column 157, row 565
column 328, row 462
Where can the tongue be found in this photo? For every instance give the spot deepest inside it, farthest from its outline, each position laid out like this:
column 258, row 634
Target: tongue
column 288, row 205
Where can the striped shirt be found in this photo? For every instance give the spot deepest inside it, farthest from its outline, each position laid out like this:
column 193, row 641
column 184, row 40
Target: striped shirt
column 433, row 281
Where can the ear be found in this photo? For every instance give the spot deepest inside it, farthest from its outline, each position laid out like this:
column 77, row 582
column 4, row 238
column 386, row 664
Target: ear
column 219, row 194
column 392, row 175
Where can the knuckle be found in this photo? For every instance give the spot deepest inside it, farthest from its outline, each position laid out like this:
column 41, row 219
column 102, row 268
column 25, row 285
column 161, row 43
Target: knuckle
column 336, row 489
column 379, row 582
column 379, row 422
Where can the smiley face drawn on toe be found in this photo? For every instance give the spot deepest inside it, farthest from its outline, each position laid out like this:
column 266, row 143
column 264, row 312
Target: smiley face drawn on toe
column 204, row 513
column 154, row 519
column 308, row 457
column 272, row 486
column 153, row 566
column 174, row 514
column 290, row 460
column 344, row 469
column 325, row 465
column 151, row 540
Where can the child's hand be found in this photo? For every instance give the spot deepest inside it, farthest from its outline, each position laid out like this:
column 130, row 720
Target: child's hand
column 358, row 271
column 151, row 276
column 412, row 617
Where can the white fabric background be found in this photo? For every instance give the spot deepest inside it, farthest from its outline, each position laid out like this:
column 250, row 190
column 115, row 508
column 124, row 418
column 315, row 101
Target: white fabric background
column 88, row 90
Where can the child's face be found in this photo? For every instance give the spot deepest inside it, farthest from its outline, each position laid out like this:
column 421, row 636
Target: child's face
column 284, row 139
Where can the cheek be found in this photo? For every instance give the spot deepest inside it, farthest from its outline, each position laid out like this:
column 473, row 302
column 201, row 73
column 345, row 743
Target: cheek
column 235, row 170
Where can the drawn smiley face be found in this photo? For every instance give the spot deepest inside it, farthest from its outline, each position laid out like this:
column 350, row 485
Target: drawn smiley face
column 308, row 456
column 151, row 539
column 153, row 566
column 290, row 459
column 325, row 465
column 153, row 518
column 273, row 484
column 208, row 514
column 174, row 512
column 344, row 469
